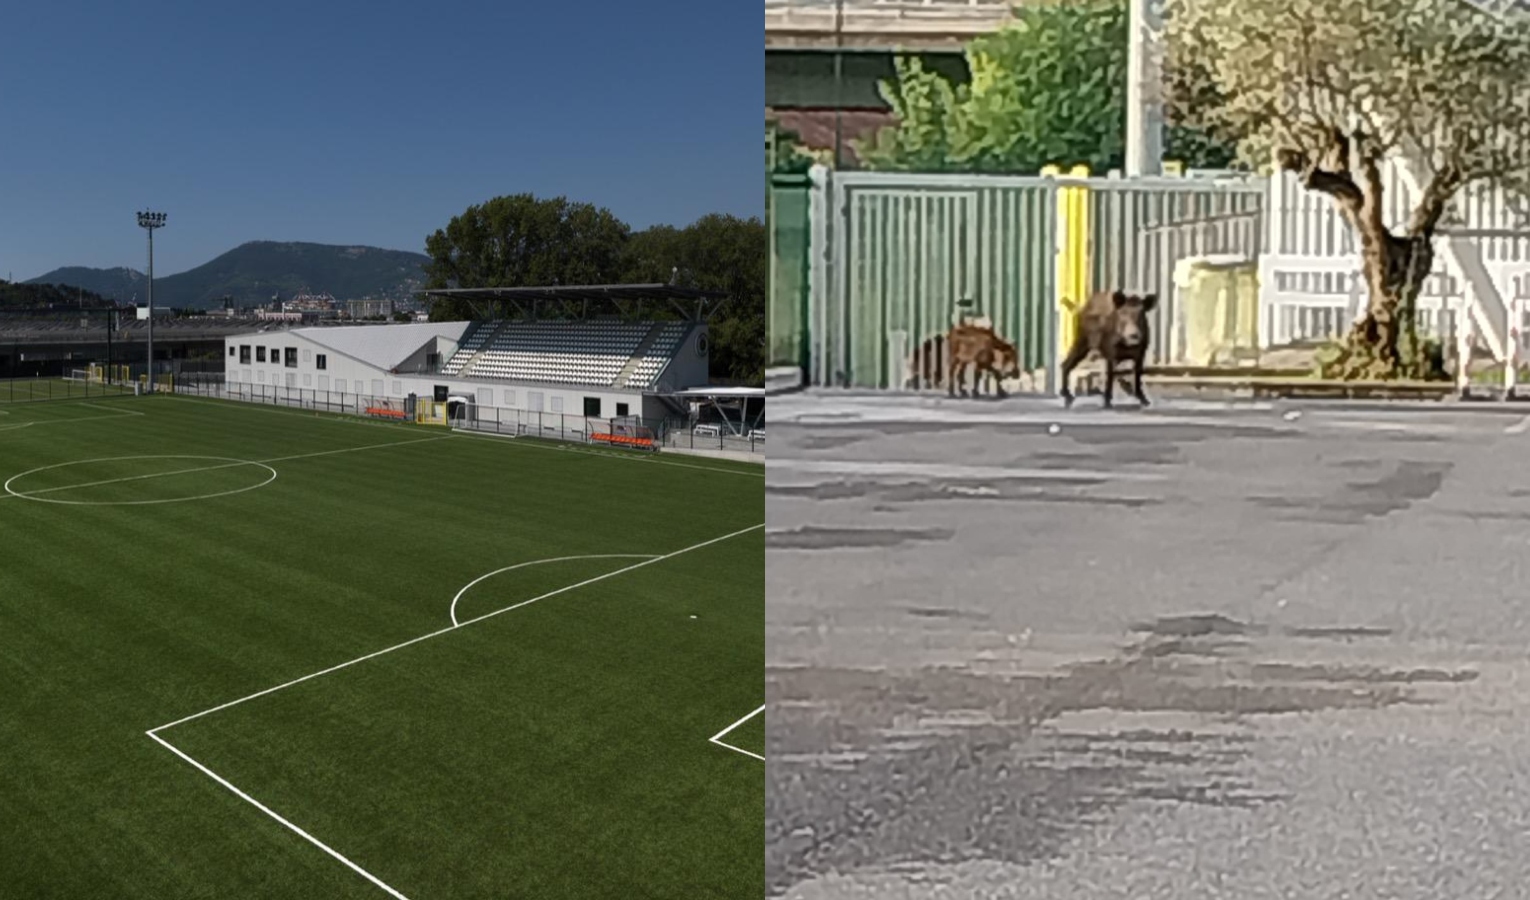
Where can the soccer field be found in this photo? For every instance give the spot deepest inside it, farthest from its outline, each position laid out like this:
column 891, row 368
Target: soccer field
column 256, row 652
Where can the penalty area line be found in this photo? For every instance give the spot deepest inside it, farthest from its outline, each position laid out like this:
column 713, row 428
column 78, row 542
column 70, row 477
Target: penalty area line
column 273, row 814
column 717, row 738
column 154, row 732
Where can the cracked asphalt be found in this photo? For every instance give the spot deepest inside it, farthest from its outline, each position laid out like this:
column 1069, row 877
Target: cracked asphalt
column 1201, row 650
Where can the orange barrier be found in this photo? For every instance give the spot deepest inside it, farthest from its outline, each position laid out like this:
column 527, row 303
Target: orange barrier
column 622, row 439
column 386, row 413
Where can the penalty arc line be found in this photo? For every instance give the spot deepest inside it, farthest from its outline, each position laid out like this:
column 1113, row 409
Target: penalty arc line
column 273, row 814
column 153, row 732
column 441, row 631
column 538, row 562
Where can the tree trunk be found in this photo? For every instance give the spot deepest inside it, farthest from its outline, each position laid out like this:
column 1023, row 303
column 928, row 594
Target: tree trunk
column 1384, row 342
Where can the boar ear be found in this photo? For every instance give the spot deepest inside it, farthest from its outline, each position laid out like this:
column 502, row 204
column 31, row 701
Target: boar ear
column 1148, row 302
column 1120, row 298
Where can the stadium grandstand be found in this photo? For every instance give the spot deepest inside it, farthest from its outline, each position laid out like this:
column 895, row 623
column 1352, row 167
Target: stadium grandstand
column 575, row 362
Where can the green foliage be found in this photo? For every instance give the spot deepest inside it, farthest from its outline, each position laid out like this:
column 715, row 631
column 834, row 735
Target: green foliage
column 29, row 294
column 788, row 158
column 1444, row 79
column 519, row 240
column 720, row 253
column 1048, row 88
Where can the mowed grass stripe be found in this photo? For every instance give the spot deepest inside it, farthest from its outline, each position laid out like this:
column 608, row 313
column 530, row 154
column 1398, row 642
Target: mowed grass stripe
column 493, row 766
column 116, row 619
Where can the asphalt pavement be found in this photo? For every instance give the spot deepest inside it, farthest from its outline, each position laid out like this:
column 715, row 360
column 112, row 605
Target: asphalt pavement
column 1200, row 650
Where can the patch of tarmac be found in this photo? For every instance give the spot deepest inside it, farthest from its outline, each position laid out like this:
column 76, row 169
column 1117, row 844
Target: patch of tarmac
column 1409, row 482
column 885, row 769
column 809, row 537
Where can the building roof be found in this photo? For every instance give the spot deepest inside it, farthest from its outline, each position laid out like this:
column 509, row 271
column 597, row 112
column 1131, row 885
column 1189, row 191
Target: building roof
column 582, row 292
column 383, row 346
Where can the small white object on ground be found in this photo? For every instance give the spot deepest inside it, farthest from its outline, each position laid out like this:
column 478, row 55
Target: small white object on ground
column 693, row 617
column 1293, row 415
column 1054, row 428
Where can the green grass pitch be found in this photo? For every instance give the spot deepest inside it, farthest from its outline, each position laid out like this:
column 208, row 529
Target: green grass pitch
column 230, row 666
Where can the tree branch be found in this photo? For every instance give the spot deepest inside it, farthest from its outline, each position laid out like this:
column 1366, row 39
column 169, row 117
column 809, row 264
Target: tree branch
column 1338, row 185
column 1431, row 207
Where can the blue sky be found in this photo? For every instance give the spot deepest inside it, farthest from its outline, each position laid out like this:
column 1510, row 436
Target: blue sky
column 361, row 123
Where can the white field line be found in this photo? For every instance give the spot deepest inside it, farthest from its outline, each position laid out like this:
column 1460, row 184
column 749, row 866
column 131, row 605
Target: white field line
column 326, row 415
column 153, row 732
column 229, row 465
column 629, row 458
column 268, row 811
column 717, row 738
column 115, row 414
column 538, row 562
column 441, row 631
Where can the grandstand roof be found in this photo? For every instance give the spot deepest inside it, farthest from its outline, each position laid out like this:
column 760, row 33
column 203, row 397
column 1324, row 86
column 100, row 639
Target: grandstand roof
column 614, row 294
column 583, row 292
column 726, row 392
column 384, row 346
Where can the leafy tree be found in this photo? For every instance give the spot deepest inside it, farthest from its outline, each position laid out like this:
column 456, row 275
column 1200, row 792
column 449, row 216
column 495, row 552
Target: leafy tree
column 1048, row 88
column 720, row 253
column 520, row 241
column 1329, row 90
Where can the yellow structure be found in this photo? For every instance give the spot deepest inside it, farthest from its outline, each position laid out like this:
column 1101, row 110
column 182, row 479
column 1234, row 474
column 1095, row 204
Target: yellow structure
column 1218, row 299
column 1072, row 253
column 428, row 412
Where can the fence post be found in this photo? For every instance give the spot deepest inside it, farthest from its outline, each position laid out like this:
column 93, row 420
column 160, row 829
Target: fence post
column 1512, row 348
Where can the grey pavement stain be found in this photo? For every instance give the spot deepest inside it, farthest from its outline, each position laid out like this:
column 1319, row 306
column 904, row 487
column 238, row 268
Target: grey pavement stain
column 1409, row 482
column 828, row 441
column 940, row 765
column 936, row 612
column 1148, row 453
column 809, row 537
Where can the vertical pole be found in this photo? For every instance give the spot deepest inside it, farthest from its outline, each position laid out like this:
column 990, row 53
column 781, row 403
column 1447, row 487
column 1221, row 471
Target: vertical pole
column 1144, row 89
column 151, row 310
column 839, row 72
column 1512, row 350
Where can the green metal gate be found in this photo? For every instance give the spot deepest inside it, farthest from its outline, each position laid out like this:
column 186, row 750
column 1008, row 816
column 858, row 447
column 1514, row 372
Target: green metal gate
column 904, row 249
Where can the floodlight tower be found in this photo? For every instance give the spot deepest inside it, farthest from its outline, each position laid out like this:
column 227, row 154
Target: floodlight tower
column 150, row 221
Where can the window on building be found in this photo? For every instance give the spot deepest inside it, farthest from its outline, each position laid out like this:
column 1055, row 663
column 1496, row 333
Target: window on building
column 260, row 354
column 321, row 361
column 592, row 406
column 557, row 403
column 307, row 380
column 621, row 409
column 291, row 358
column 340, row 385
column 276, row 354
column 307, row 356
column 244, row 354
column 398, row 389
column 231, row 350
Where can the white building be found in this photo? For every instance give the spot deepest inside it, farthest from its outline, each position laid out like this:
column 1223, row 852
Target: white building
column 598, row 368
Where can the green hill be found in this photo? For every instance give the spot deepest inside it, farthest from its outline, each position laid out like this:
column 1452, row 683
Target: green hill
column 252, row 273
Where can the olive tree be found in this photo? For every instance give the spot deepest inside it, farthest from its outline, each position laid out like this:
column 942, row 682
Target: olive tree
column 1330, row 90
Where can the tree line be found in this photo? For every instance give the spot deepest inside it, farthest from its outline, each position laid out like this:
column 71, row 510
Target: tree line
column 521, row 240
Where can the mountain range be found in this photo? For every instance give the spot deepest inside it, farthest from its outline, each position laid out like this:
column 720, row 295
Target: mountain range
column 252, row 273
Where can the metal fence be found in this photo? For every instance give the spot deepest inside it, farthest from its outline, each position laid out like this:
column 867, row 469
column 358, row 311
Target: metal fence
column 471, row 417
column 21, row 390
column 894, row 252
